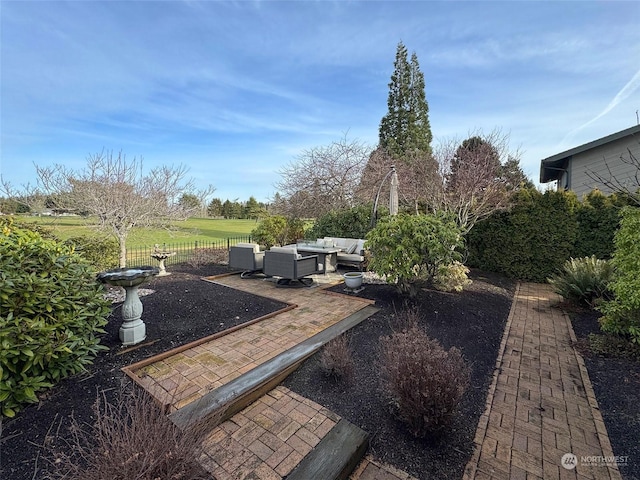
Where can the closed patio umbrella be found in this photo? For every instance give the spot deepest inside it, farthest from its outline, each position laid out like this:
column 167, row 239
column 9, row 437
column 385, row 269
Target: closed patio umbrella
column 393, row 192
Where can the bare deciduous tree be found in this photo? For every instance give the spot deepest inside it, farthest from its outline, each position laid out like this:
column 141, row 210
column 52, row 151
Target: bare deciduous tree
column 323, row 179
column 117, row 194
column 417, row 173
column 473, row 181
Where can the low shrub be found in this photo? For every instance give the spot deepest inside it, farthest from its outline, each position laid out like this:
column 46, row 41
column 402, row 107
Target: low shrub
column 425, row 380
column 207, row 256
column 347, row 223
column 131, row 438
column 408, row 250
column 614, row 346
column 102, row 253
column 451, row 278
column 335, row 358
column 51, row 310
column 407, row 318
column 583, row 281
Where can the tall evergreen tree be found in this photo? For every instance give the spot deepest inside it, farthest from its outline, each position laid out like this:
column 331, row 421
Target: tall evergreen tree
column 405, row 128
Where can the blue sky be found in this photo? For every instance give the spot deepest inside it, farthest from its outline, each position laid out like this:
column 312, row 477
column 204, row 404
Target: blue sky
column 237, row 90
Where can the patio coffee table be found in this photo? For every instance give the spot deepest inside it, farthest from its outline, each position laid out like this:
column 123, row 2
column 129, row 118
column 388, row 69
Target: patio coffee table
column 327, row 256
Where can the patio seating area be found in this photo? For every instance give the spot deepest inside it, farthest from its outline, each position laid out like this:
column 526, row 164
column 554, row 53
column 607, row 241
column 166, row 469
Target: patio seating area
column 294, row 263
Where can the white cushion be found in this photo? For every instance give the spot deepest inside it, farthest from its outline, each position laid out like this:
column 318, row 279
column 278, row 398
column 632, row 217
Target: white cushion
column 254, row 246
column 290, row 250
column 352, row 248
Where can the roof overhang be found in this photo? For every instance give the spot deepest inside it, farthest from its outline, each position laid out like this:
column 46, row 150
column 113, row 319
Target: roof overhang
column 552, row 168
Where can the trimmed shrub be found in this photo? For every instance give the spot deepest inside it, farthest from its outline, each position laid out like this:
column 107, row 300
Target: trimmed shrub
column 583, row 280
column 349, row 223
column 408, row 250
column 132, row 438
column 531, row 241
column 598, row 218
column 278, row 230
column 102, row 253
column 51, row 310
column 451, row 278
column 335, row 358
column 425, row 380
column 622, row 314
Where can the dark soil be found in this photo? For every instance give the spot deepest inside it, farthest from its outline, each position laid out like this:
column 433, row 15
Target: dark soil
column 616, row 383
column 473, row 321
column 183, row 308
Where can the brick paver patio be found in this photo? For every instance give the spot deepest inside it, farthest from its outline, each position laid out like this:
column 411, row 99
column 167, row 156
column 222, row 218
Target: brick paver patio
column 541, row 405
column 186, row 376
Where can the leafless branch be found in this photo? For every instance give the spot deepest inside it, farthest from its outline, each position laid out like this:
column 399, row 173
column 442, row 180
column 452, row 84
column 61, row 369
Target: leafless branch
column 627, row 186
column 323, row 178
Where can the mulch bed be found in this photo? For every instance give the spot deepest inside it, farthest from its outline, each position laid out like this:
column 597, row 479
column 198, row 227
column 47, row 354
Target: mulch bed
column 473, row 321
column 616, row 383
column 185, row 308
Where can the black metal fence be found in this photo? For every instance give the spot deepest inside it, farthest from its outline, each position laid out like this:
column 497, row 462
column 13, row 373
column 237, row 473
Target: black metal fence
column 184, row 252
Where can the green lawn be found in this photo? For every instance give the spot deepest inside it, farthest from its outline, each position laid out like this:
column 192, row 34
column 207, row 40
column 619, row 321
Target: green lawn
column 189, row 231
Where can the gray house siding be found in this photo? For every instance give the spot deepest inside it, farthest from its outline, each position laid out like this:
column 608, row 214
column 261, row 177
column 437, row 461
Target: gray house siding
column 605, row 162
column 578, row 169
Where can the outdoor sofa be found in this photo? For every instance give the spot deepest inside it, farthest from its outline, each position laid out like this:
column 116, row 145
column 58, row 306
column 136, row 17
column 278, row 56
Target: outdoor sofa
column 352, row 250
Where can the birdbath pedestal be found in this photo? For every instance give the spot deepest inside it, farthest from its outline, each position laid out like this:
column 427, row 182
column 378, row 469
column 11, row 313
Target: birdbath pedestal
column 133, row 330
column 161, row 257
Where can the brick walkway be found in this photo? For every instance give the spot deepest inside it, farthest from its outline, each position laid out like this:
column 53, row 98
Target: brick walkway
column 541, row 405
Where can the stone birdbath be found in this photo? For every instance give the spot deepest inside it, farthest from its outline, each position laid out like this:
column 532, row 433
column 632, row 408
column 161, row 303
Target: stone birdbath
column 161, row 256
column 133, row 330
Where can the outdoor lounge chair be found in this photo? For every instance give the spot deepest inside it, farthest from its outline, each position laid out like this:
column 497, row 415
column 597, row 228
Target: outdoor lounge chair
column 246, row 257
column 289, row 265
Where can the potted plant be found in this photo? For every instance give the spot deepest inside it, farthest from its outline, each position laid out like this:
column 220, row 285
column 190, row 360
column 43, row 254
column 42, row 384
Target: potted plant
column 353, row 280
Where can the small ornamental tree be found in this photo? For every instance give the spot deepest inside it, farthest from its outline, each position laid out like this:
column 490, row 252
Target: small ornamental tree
column 410, row 249
column 116, row 194
column 622, row 315
column 278, row 230
column 51, row 310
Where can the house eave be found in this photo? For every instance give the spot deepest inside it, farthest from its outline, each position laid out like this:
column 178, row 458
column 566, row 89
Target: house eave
column 552, row 168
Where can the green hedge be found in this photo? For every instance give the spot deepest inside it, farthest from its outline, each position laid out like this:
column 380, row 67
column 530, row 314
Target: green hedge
column 531, row 241
column 348, row 223
column 534, row 239
column 598, row 218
